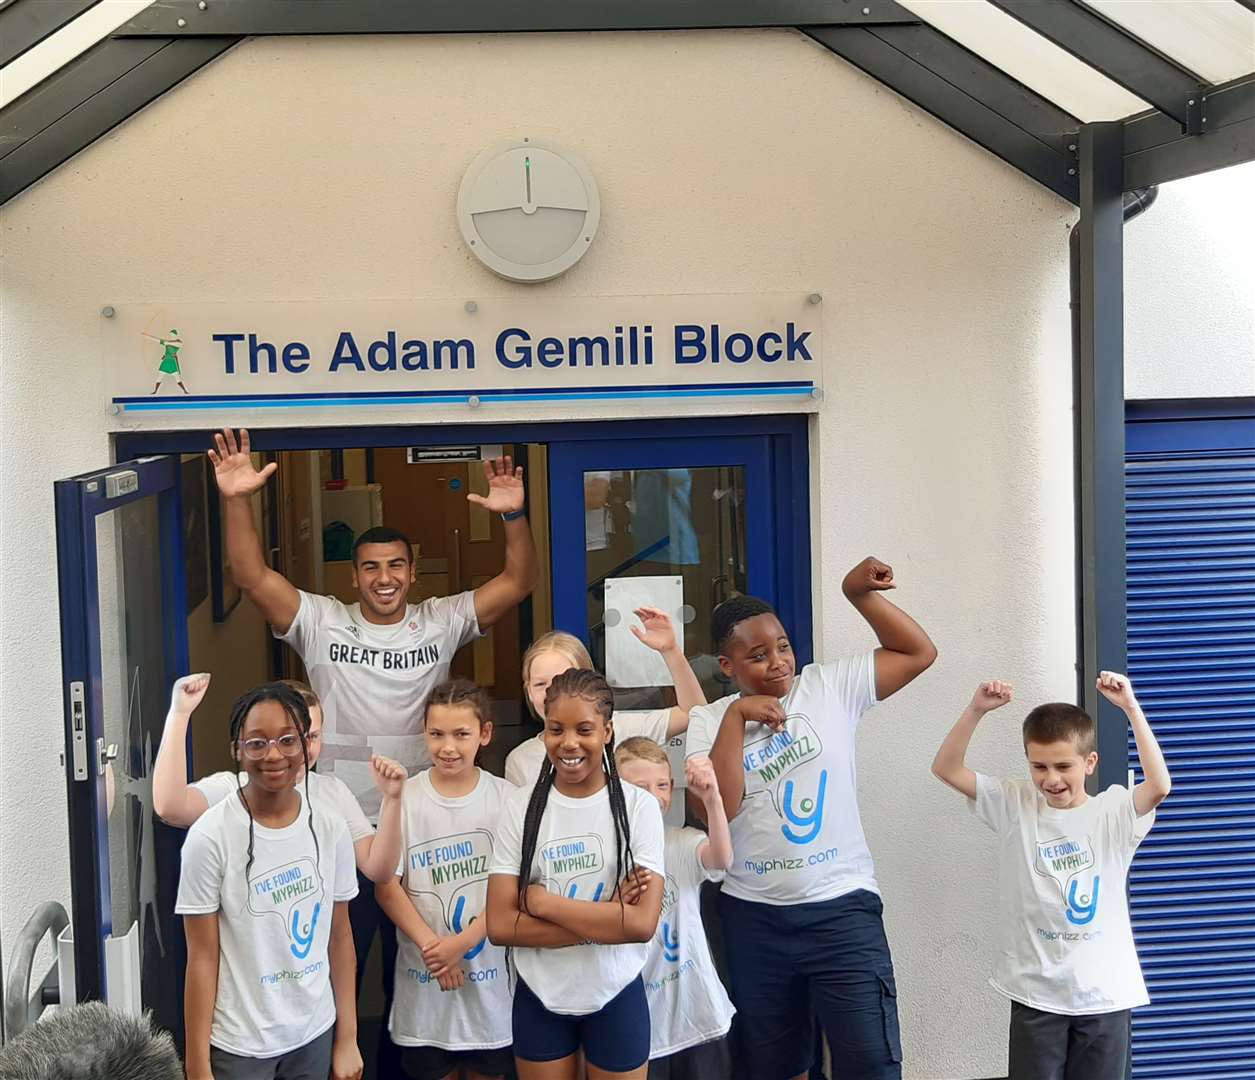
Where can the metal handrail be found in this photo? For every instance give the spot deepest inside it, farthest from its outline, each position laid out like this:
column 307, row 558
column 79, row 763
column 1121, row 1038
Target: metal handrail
column 51, row 918
column 627, row 564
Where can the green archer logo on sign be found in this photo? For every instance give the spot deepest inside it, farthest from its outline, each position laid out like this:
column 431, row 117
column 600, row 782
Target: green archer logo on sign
column 168, row 368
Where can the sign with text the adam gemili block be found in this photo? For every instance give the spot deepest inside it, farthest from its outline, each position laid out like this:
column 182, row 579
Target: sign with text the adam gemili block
column 196, row 356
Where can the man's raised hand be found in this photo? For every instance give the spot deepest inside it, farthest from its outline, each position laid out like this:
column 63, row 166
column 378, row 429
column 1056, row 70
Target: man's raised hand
column 233, row 465
column 505, row 487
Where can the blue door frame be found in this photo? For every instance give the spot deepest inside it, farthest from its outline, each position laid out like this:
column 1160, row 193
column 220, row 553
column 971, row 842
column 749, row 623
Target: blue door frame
column 79, row 501
column 779, row 539
column 767, row 530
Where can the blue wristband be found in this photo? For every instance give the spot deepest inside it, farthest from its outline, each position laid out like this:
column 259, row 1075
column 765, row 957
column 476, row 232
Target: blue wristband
column 513, row 515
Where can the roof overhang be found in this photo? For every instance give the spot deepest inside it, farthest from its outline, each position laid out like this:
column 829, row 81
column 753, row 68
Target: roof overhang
column 1191, row 126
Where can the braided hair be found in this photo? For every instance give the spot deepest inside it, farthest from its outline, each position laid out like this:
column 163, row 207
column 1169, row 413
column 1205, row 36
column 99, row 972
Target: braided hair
column 592, row 688
column 294, row 705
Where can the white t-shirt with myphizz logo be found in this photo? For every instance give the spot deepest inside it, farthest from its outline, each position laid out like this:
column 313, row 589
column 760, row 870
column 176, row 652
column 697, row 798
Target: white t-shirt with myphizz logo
column 576, row 856
column 446, row 849
column 687, row 1003
column 374, row 680
column 798, row 837
column 274, row 922
column 1065, row 943
column 522, row 764
column 324, row 791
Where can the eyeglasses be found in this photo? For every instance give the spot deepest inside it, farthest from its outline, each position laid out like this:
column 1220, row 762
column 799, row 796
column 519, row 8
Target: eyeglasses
column 256, row 749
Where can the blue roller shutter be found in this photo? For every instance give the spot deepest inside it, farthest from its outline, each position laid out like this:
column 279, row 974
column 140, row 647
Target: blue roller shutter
column 1190, row 499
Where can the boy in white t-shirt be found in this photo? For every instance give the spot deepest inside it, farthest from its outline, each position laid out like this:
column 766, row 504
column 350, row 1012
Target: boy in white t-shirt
column 1065, row 952
column 800, row 908
column 689, row 1010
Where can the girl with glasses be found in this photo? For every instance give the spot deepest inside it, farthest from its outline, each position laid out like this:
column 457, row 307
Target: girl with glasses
column 179, row 803
column 264, row 891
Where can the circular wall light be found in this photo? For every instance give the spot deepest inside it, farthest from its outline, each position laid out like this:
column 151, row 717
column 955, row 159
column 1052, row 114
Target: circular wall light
column 528, row 210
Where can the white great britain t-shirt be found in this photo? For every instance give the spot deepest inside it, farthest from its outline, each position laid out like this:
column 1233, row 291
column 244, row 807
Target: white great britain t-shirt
column 687, row 1003
column 798, row 837
column 446, row 849
column 324, row 791
column 373, row 680
column 522, row 764
column 576, row 856
column 274, row 926
column 1065, row 944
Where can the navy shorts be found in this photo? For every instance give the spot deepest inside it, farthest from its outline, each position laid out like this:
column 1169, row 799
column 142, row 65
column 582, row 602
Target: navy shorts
column 789, row 965
column 615, row 1038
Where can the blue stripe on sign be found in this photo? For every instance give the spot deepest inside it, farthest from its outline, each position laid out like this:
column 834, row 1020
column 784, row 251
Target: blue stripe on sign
column 436, row 397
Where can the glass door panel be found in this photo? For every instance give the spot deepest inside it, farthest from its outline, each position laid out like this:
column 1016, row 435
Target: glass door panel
column 684, row 527
column 122, row 600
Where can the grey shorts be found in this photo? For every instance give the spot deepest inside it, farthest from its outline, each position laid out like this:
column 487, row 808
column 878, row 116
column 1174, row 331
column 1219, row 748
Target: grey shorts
column 1051, row 1046
column 310, row 1062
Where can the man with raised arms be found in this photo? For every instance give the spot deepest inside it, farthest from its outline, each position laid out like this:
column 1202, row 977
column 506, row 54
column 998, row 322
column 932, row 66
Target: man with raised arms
column 374, row 662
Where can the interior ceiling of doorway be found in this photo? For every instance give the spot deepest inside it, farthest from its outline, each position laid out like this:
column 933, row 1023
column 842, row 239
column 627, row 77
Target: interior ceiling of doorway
column 1017, row 76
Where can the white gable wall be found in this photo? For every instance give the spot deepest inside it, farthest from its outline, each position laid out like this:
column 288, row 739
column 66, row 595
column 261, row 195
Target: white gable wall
column 728, row 162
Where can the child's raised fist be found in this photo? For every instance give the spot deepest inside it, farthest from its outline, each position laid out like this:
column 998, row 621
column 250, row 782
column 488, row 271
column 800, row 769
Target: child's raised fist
column 188, row 692
column 1117, row 689
column 991, row 695
column 762, row 709
column 871, row 575
column 699, row 777
column 389, row 776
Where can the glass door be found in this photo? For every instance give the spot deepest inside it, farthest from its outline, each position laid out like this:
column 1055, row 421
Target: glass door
column 123, row 642
column 681, row 524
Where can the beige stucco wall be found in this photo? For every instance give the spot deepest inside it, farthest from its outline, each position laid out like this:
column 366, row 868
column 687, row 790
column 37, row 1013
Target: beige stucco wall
column 306, row 169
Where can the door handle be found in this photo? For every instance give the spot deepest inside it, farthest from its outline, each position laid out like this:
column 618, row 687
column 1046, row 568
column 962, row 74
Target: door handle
column 455, row 579
column 105, row 755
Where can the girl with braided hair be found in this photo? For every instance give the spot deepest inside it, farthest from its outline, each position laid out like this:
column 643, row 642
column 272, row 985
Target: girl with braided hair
column 266, row 878
column 575, row 892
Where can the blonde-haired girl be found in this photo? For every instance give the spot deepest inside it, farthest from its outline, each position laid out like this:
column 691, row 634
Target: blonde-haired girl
column 553, row 653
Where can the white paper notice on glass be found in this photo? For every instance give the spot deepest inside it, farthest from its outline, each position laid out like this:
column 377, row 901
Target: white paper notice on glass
column 628, row 661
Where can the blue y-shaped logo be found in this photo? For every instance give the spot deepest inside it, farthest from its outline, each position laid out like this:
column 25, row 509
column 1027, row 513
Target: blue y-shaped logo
column 1082, row 911
column 809, row 815
column 304, row 939
column 670, row 943
column 596, row 892
column 459, row 909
